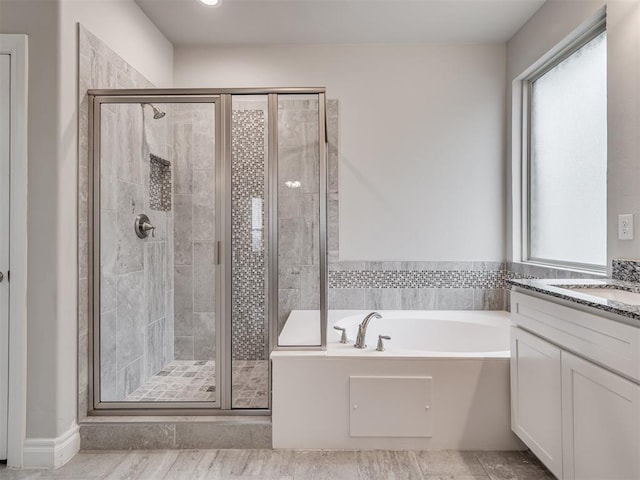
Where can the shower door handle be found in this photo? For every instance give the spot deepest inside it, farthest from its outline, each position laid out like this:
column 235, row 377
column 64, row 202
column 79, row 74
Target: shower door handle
column 216, row 253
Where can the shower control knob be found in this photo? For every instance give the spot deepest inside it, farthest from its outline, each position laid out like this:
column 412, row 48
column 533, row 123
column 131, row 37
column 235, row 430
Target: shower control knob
column 143, row 226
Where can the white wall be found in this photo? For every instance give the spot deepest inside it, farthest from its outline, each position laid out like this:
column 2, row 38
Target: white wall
column 422, row 138
column 550, row 25
column 38, row 20
column 52, row 197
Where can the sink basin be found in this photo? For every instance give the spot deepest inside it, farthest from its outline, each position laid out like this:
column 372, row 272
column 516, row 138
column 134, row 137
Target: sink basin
column 621, row 296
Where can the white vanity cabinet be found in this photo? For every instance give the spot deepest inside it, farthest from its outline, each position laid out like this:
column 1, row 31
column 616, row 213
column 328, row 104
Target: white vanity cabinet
column 575, row 389
column 600, row 422
column 536, row 396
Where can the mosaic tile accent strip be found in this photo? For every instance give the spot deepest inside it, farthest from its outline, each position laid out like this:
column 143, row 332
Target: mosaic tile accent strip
column 417, row 279
column 248, row 275
column 626, row 270
column 159, row 183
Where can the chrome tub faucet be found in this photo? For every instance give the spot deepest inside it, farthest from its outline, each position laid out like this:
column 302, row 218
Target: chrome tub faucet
column 362, row 330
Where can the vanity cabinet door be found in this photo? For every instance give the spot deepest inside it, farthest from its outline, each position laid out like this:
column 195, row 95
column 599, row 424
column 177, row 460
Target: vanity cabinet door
column 536, row 397
column 601, row 422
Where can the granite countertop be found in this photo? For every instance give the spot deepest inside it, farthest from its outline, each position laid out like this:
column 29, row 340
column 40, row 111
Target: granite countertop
column 558, row 288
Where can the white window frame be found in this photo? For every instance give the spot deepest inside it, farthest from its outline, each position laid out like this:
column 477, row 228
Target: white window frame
column 571, row 46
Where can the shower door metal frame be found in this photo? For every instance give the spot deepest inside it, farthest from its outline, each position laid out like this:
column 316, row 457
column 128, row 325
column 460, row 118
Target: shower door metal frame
column 222, row 98
column 95, row 405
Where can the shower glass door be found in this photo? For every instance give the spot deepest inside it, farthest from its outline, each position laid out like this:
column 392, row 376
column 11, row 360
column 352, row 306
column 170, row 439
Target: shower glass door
column 207, row 245
column 156, row 251
column 299, row 189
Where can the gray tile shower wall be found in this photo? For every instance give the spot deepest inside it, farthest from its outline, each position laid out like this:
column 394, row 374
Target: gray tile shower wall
column 194, row 230
column 136, row 287
column 139, row 267
column 298, row 206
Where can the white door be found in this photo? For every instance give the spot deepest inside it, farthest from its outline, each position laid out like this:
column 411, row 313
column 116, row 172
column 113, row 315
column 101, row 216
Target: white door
column 5, row 95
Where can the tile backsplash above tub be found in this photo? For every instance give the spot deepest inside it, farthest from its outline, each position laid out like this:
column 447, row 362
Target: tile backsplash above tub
column 440, row 285
column 418, row 285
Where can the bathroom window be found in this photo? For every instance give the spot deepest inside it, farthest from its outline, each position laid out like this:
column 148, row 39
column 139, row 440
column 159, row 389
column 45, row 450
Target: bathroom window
column 566, row 161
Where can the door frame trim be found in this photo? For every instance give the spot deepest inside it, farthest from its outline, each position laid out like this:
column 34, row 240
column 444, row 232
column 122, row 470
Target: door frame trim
column 17, row 47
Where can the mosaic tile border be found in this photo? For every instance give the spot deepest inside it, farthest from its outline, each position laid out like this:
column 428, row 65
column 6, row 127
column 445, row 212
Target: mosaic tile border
column 446, row 275
column 417, row 279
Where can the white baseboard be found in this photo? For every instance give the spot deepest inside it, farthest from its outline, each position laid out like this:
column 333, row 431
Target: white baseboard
column 51, row 452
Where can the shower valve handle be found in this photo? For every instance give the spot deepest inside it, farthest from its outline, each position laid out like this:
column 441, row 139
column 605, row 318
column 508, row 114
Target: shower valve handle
column 143, row 226
column 148, row 227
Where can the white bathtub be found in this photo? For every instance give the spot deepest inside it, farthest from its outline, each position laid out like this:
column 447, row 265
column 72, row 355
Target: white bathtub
column 441, row 383
column 436, row 333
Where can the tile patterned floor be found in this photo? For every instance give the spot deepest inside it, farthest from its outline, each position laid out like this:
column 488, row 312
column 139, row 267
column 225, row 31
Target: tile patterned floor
column 195, row 381
column 250, row 385
column 179, row 381
column 291, row 465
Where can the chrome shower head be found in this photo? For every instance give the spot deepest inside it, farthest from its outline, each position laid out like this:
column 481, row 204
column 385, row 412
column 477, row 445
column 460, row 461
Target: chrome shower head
column 157, row 113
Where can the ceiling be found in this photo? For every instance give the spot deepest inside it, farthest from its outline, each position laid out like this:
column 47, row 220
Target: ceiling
column 246, row 22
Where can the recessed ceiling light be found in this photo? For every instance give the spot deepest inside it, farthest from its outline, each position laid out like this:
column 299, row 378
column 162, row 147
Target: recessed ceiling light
column 211, row 3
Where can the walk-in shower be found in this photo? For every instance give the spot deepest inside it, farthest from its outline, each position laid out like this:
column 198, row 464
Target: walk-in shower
column 208, row 228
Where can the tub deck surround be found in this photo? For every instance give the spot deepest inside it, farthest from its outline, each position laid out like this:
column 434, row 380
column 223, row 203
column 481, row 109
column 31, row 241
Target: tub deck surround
column 561, row 289
column 466, row 392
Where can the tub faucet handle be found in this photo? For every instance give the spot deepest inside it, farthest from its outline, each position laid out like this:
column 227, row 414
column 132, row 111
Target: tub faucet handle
column 380, row 347
column 343, row 337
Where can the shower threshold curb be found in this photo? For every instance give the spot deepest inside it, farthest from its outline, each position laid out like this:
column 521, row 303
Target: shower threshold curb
column 183, row 432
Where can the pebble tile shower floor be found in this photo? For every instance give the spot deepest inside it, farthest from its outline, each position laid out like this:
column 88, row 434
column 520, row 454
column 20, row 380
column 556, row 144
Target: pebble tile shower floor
column 189, row 380
column 291, row 465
